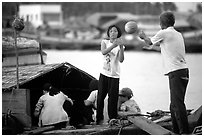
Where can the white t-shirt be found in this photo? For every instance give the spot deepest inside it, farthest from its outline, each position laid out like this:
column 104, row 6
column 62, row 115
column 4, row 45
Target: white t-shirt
column 131, row 106
column 93, row 98
column 111, row 65
column 172, row 49
column 52, row 109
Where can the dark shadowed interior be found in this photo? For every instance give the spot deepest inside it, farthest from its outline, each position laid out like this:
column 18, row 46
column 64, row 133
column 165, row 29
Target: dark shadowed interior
column 70, row 80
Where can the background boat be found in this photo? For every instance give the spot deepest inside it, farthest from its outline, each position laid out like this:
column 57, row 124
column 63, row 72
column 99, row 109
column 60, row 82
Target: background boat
column 29, row 52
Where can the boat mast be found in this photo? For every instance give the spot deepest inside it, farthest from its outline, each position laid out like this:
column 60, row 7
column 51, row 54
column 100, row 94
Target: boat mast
column 17, row 25
column 16, row 50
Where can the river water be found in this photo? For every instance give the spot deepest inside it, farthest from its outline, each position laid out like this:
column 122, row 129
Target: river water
column 140, row 71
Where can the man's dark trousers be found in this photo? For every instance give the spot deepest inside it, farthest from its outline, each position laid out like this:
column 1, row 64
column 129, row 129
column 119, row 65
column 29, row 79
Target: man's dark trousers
column 178, row 81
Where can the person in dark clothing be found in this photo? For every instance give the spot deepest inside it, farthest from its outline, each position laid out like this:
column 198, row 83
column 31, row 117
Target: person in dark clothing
column 80, row 114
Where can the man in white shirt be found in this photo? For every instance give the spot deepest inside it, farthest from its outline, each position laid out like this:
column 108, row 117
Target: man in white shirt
column 92, row 100
column 173, row 52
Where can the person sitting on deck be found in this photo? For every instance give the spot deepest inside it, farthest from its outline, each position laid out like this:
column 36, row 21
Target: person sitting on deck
column 49, row 107
column 92, row 100
column 126, row 103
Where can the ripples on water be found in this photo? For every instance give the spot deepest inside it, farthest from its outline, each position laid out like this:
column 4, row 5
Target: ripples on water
column 140, row 71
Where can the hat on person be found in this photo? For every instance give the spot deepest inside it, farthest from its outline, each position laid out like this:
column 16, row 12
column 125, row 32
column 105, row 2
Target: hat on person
column 127, row 92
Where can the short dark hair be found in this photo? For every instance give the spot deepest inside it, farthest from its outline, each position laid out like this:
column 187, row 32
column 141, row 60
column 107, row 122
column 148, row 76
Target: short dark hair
column 54, row 91
column 93, row 85
column 47, row 86
column 119, row 31
column 167, row 19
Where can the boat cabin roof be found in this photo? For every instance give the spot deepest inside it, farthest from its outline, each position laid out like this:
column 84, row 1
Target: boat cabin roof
column 45, row 72
column 26, row 73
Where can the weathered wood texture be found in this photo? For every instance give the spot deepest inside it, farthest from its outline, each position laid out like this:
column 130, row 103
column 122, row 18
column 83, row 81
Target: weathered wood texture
column 98, row 130
column 18, row 101
column 38, row 131
column 26, row 73
column 148, row 126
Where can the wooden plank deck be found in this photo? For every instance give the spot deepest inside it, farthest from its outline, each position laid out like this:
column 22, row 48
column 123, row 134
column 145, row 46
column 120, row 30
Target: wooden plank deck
column 145, row 124
column 149, row 126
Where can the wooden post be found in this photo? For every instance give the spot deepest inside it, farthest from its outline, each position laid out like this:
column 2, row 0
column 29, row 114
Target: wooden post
column 16, row 50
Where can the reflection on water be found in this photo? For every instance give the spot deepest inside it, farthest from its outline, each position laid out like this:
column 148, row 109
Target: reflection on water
column 140, row 71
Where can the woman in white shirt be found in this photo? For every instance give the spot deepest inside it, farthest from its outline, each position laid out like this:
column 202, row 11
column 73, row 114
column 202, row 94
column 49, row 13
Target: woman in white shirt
column 50, row 108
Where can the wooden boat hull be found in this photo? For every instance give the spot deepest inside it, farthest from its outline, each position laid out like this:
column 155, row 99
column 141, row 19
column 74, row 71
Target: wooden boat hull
column 140, row 126
column 73, row 82
column 98, row 130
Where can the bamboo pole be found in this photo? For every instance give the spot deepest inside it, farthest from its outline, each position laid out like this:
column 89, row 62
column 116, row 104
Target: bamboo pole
column 16, row 50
